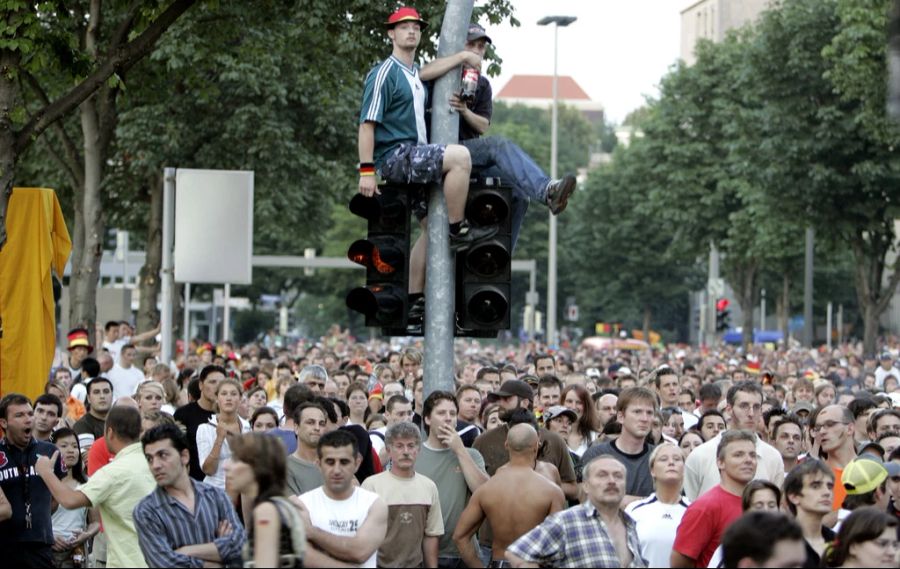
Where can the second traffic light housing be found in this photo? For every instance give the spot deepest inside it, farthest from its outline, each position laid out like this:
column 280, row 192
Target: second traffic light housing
column 483, row 272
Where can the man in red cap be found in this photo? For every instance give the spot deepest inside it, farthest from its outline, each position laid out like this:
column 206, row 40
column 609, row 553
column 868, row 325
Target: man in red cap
column 393, row 142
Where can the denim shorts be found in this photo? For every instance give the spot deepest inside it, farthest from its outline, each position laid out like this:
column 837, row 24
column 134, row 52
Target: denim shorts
column 415, row 164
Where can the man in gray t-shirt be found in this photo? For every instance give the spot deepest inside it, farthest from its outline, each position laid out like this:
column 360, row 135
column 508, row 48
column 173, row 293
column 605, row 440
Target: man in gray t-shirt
column 635, row 410
column 309, row 425
column 456, row 470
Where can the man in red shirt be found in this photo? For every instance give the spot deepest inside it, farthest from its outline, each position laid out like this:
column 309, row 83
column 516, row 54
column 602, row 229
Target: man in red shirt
column 709, row 516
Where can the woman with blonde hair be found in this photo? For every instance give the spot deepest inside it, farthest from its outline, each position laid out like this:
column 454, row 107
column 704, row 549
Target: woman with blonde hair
column 213, row 446
column 657, row 516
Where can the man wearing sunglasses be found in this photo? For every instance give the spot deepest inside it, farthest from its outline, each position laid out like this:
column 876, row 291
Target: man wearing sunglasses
column 832, row 430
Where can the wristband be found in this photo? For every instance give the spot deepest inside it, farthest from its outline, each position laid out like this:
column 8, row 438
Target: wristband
column 366, row 169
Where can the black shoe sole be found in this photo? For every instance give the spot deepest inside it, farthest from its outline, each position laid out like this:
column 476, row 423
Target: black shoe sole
column 466, row 245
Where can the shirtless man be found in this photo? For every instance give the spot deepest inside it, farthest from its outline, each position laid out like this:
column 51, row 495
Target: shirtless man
column 515, row 500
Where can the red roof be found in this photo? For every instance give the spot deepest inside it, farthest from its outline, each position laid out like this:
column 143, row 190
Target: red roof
column 541, row 87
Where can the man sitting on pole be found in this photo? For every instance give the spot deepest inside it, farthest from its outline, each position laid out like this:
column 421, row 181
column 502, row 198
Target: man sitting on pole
column 495, row 155
column 393, row 142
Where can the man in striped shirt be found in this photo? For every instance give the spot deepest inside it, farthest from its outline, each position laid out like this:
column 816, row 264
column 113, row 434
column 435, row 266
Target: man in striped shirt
column 184, row 523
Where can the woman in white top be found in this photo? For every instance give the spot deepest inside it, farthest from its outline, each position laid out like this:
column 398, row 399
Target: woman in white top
column 212, row 438
column 658, row 515
column 586, row 429
column 70, row 527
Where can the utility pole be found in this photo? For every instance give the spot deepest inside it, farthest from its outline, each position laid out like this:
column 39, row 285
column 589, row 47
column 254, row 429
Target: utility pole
column 440, row 282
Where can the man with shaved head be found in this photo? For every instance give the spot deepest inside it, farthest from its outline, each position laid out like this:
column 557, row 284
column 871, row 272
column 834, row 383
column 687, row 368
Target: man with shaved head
column 833, row 429
column 515, row 500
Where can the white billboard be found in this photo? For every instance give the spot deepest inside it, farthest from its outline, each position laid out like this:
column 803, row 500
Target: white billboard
column 213, row 226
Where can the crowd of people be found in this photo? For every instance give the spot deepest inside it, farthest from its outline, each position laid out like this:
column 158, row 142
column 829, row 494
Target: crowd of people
column 337, row 453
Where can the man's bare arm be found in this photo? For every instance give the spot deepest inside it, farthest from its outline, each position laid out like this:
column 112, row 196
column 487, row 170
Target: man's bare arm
column 367, row 184
column 469, row 522
column 678, row 560
column 570, row 489
column 430, row 551
column 440, row 66
column 517, row 561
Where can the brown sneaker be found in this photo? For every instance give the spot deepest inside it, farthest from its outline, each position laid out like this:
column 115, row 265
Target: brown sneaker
column 558, row 193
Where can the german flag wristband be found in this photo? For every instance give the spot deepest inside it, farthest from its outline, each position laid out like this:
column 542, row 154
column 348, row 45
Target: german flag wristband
column 366, row 169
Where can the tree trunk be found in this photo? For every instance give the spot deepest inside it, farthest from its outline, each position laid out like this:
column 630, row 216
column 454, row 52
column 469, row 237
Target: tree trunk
column 86, row 274
column 8, row 96
column 648, row 312
column 745, row 271
column 870, row 252
column 150, row 284
column 784, row 311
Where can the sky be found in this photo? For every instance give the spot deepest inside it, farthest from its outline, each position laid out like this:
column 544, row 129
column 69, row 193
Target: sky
column 617, row 50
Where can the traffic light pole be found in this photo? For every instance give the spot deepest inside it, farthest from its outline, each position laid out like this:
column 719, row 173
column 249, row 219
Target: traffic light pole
column 439, row 281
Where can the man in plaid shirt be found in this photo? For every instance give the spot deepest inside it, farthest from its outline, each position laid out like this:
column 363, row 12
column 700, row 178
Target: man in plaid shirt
column 593, row 534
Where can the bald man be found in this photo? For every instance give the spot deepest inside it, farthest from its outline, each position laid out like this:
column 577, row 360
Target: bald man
column 515, row 500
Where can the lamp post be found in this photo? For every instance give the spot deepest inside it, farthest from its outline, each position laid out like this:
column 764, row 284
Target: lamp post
column 551, row 257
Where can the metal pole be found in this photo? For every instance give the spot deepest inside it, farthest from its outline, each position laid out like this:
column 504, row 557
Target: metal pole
column 762, row 311
column 440, row 281
column 840, row 324
column 187, row 317
column 167, row 273
column 551, row 255
column 808, row 330
column 828, row 320
column 226, row 314
column 711, row 297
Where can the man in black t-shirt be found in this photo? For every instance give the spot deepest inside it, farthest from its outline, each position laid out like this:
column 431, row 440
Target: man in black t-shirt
column 26, row 538
column 199, row 413
column 495, row 156
column 100, row 399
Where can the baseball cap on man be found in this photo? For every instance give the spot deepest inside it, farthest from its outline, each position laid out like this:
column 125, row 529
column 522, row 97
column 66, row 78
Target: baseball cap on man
column 864, row 474
column 515, row 387
column 558, row 411
column 476, row 32
column 405, row 14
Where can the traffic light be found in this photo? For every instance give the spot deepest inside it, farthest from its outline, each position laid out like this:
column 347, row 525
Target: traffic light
column 722, row 315
column 483, row 273
column 385, row 255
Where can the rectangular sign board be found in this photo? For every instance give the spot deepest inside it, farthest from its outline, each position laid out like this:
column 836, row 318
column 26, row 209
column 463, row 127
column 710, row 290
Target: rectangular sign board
column 213, row 226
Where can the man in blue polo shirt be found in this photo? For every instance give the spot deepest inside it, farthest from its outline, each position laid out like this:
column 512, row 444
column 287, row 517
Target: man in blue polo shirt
column 26, row 538
column 393, row 142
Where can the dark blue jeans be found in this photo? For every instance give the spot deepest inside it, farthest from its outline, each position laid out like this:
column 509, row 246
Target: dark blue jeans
column 500, row 157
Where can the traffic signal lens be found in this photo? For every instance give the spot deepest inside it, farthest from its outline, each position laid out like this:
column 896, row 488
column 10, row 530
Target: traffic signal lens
column 488, row 260
column 487, row 307
column 379, row 264
column 487, row 208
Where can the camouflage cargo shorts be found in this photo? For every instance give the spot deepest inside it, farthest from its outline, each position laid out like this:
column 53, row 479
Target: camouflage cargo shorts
column 415, row 164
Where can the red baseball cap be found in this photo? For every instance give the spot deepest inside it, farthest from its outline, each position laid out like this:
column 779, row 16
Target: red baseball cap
column 405, row 14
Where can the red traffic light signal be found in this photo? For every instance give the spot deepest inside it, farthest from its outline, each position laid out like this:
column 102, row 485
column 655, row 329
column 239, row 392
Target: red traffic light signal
column 722, row 304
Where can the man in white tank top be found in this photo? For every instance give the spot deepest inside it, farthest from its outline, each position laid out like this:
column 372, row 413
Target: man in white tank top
column 344, row 520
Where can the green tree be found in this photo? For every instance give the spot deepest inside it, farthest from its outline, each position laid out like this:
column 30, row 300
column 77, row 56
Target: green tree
column 55, row 59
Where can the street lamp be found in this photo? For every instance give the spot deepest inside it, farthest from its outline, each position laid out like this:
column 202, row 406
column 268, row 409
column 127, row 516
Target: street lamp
column 551, row 257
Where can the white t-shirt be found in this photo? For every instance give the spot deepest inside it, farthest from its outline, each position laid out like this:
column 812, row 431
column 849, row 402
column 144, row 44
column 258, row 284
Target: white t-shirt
column 115, row 347
column 377, row 442
column 340, row 517
column 206, row 438
column 701, row 473
column 657, row 523
column 125, row 381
